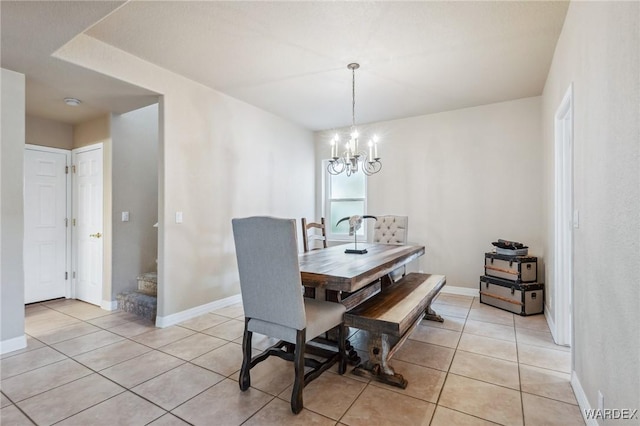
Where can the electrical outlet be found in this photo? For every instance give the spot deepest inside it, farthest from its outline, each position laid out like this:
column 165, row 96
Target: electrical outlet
column 600, row 401
column 178, row 217
column 125, row 216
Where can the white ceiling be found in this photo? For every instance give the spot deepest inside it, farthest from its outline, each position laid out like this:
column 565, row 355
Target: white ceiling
column 290, row 58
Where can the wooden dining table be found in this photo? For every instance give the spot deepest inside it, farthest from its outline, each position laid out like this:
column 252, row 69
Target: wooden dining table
column 349, row 278
column 333, row 269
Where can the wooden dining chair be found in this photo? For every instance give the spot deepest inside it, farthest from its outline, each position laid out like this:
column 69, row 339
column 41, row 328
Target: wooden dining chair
column 391, row 229
column 271, row 287
column 312, row 232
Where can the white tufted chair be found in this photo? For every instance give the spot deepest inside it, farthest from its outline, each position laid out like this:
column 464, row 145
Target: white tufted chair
column 391, row 230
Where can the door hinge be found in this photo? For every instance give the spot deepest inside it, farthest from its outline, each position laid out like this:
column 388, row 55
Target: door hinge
column 74, row 222
column 73, row 275
column 66, row 170
column 66, row 275
column 66, row 222
column 73, row 168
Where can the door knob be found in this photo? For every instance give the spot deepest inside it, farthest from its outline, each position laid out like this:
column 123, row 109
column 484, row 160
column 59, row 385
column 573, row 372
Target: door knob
column 98, row 235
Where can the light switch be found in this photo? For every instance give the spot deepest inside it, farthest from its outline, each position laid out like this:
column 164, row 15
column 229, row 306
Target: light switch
column 125, row 216
column 178, row 217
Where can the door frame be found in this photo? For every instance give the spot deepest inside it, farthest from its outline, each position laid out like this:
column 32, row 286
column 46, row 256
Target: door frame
column 74, row 247
column 67, row 153
column 565, row 219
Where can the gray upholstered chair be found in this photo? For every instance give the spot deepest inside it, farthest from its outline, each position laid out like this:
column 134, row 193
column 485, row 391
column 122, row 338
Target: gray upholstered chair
column 267, row 253
column 310, row 235
column 391, row 229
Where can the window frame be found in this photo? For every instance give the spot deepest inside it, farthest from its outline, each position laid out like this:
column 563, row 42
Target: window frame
column 327, row 202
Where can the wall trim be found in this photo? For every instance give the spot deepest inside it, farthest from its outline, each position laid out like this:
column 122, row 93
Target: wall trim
column 581, row 397
column 551, row 323
column 564, row 218
column 109, row 305
column 14, row 344
column 188, row 314
column 461, row 291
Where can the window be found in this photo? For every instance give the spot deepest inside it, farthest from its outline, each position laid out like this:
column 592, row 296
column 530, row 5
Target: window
column 344, row 196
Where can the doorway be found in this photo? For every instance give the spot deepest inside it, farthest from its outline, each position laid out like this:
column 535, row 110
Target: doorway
column 565, row 220
column 47, row 235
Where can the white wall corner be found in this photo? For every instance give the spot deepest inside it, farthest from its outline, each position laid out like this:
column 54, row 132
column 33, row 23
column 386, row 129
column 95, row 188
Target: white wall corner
column 461, row 291
column 14, row 344
column 109, row 305
column 178, row 317
column 583, row 402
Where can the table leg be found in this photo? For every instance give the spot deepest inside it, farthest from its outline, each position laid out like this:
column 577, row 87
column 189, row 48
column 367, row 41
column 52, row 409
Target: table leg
column 377, row 367
column 331, row 337
column 431, row 315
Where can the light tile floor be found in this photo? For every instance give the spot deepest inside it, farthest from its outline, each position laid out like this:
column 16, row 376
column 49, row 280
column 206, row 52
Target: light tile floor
column 87, row 366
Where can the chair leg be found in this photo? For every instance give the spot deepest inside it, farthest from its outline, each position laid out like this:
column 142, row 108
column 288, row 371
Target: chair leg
column 298, row 384
column 342, row 366
column 245, row 378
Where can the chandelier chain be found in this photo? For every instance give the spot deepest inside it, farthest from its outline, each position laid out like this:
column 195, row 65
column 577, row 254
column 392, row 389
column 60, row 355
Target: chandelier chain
column 353, row 97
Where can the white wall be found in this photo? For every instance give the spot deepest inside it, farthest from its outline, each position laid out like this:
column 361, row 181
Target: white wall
column 598, row 51
column 134, row 138
column 45, row 132
column 465, row 178
column 219, row 158
column 12, row 335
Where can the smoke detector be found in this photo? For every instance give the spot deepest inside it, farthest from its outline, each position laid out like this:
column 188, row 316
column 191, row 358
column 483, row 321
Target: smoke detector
column 72, row 101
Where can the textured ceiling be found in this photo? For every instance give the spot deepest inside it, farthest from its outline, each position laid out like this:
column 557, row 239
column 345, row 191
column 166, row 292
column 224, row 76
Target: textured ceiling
column 31, row 31
column 290, row 58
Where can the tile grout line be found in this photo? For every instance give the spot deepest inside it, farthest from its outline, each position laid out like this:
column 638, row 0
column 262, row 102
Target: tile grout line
column 367, row 384
column 18, row 408
column 449, row 372
column 201, row 333
column 519, row 375
column 98, row 372
column 446, row 376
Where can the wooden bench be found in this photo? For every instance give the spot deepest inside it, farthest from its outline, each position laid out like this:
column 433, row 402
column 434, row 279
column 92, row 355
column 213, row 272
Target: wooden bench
column 390, row 316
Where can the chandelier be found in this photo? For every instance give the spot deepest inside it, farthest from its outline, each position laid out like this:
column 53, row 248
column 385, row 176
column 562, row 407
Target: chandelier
column 353, row 158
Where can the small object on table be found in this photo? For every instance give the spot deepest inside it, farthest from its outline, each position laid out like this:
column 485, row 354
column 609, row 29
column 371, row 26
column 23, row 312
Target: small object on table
column 355, row 223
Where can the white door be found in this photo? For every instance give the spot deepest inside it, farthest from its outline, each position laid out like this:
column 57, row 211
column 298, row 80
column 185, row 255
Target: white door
column 45, row 224
column 88, row 223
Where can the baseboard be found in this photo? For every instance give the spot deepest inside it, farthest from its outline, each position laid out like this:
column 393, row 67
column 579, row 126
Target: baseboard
column 461, row 291
column 178, row 317
column 551, row 323
column 14, row 344
column 581, row 397
column 109, row 305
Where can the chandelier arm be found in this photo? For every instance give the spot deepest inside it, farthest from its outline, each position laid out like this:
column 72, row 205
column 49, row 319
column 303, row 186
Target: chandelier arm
column 332, row 169
column 371, row 167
